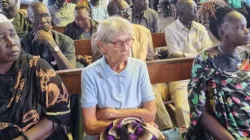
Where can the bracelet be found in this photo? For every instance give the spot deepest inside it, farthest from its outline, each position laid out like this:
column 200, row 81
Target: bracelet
column 24, row 136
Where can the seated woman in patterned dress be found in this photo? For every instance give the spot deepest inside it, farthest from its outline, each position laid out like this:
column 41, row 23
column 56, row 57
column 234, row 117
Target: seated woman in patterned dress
column 219, row 90
column 34, row 103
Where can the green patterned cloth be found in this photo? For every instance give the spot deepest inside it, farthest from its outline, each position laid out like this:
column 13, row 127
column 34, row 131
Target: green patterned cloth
column 225, row 89
column 237, row 4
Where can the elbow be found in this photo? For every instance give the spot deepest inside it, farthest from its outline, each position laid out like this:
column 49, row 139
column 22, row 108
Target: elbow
column 89, row 130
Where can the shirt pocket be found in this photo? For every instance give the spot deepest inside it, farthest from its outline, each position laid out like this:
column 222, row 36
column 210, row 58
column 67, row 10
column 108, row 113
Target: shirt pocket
column 197, row 46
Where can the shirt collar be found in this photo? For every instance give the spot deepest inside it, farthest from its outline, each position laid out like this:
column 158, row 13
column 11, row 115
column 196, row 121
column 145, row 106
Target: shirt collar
column 182, row 27
column 144, row 14
column 108, row 72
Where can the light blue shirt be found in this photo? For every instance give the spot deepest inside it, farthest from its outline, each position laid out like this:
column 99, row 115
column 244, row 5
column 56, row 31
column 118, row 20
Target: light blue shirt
column 105, row 88
column 99, row 13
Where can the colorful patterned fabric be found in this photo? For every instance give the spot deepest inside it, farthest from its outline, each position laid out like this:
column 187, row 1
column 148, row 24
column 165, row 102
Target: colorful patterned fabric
column 225, row 90
column 131, row 129
column 30, row 91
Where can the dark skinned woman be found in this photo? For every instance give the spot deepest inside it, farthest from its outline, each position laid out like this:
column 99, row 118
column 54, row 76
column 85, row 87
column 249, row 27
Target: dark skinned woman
column 34, row 102
column 219, row 90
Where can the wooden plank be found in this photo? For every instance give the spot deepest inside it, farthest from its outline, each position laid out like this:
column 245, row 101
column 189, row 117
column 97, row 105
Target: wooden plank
column 24, row 6
column 83, row 47
column 160, row 71
column 59, row 29
column 168, row 70
column 72, row 80
column 158, row 40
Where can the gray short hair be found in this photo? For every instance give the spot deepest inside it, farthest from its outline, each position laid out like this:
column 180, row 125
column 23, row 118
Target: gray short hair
column 111, row 27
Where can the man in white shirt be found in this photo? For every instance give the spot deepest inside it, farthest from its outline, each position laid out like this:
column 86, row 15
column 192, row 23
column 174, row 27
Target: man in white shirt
column 184, row 38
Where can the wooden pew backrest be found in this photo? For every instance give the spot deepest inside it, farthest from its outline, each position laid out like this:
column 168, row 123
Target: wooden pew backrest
column 71, row 79
column 59, row 29
column 83, row 47
column 24, row 6
column 168, row 70
column 160, row 71
column 158, row 40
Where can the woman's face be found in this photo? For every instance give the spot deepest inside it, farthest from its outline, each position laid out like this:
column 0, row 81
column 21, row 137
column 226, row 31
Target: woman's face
column 235, row 29
column 118, row 49
column 82, row 18
column 9, row 43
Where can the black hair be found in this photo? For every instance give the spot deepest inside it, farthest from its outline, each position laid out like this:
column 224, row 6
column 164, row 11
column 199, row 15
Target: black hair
column 217, row 20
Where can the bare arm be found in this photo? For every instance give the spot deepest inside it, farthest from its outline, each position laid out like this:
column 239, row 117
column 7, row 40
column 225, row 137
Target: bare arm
column 214, row 127
column 91, row 124
column 147, row 113
column 61, row 60
column 46, row 37
column 44, row 127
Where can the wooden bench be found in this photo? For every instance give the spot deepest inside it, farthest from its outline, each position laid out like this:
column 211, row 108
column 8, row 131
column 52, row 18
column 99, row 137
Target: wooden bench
column 83, row 47
column 59, row 29
column 159, row 40
column 24, row 6
column 160, row 71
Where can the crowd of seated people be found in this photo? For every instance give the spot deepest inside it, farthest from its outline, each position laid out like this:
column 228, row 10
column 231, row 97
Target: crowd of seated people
column 115, row 85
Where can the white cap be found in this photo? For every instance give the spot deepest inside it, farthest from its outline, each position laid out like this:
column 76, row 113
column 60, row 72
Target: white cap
column 3, row 18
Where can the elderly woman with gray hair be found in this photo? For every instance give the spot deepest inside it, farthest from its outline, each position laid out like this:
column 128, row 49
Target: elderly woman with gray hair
column 115, row 86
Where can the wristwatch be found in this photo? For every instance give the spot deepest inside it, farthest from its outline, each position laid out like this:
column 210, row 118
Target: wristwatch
column 56, row 49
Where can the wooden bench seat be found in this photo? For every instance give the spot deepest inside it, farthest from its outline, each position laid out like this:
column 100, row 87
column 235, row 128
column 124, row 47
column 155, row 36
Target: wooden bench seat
column 160, row 71
column 59, row 29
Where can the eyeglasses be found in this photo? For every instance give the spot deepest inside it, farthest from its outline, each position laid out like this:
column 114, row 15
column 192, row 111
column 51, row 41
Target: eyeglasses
column 120, row 44
column 39, row 17
column 125, row 11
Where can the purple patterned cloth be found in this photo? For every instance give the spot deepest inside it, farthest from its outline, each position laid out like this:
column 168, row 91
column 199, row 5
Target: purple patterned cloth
column 131, row 129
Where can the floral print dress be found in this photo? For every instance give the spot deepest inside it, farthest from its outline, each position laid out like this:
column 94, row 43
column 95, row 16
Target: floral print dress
column 224, row 89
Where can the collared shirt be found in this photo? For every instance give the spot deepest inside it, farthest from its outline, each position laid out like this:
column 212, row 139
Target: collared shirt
column 21, row 25
column 180, row 40
column 75, row 32
column 149, row 19
column 65, row 44
column 62, row 16
column 105, row 88
column 99, row 13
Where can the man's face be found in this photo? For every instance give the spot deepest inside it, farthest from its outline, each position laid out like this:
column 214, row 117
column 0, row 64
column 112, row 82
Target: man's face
column 41, row 19
column 190, row 11
column 140, row 5
column 124, row 11
column 6, row 4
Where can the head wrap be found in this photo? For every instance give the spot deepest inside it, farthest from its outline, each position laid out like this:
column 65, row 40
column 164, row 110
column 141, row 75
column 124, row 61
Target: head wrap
column 3, row 18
